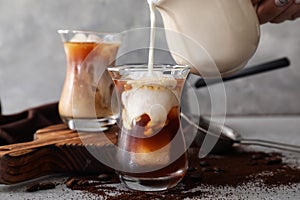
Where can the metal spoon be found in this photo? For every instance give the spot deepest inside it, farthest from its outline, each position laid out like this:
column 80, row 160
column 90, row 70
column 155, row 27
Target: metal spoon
column 229, row 137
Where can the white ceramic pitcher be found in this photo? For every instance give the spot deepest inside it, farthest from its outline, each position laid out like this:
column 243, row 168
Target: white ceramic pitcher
column 213, row 36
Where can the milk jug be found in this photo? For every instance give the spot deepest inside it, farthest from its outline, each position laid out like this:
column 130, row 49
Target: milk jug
column 214, row 37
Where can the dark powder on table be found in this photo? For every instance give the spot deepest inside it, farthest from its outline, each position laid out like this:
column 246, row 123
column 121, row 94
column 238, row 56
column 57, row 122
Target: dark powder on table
column 231, row 169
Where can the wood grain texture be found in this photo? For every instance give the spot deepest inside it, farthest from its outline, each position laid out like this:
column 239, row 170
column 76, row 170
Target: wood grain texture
column 57, row 149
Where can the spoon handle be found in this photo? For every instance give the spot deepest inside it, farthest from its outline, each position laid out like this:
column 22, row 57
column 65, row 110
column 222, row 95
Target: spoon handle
column 257, row 69
column 277, row 145
column 201, row 129
column 239, row 140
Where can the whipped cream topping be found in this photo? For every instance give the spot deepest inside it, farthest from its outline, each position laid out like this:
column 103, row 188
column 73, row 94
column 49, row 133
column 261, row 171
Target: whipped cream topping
column 138, row 79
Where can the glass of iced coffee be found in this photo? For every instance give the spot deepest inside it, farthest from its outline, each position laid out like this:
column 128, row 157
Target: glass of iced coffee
column 151, row 148
column 87, row 102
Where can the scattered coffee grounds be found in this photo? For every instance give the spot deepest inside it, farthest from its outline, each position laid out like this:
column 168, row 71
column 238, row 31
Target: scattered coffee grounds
column 231, row 169
column 33, row 187
column 40, row 186
column 107, row 191
column 239, row 166
column 47, row 186
column 82, row 182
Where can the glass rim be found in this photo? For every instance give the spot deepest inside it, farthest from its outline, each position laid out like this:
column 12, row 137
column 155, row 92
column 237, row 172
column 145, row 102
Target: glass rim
column 106, row 37
column 144, row 67
column 74, row 31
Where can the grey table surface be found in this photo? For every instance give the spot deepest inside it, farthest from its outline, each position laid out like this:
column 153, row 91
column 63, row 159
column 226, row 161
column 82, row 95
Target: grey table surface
column 277, row 128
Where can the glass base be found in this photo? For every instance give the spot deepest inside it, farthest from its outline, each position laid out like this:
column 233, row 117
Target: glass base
column 151, row 184
column 90, row 125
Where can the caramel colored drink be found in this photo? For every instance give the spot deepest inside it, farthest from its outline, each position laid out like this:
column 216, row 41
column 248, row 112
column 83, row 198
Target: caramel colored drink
column 87, row 95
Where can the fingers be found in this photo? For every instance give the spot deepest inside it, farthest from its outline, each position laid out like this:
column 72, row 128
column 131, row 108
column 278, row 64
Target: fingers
column 280, row 3
column 277, row 11
column 270, row 9
column 289, row 14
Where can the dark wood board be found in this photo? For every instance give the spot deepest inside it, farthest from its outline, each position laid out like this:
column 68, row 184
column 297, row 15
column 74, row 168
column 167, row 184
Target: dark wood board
column 55, row 149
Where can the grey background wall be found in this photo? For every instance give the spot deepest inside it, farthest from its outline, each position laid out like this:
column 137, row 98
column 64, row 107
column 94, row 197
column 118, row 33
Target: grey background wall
column 32, row 59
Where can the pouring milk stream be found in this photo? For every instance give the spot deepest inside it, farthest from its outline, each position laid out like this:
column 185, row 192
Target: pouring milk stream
column 215, row 37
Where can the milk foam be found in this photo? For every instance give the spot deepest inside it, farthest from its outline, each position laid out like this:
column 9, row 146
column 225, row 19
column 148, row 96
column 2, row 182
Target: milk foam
column 153, row 97
column 80, row 37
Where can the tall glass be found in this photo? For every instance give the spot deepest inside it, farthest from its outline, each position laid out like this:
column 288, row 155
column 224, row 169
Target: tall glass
column 87, row 95
column 151, row 148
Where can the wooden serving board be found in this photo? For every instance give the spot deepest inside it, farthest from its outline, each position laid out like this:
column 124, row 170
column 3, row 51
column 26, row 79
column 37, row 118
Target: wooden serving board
column 55, row 149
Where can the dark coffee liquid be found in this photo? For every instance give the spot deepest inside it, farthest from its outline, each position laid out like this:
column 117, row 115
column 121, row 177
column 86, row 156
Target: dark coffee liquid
column 167, row 143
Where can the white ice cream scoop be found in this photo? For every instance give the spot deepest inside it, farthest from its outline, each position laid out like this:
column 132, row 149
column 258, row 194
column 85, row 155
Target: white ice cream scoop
column 154, row 100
